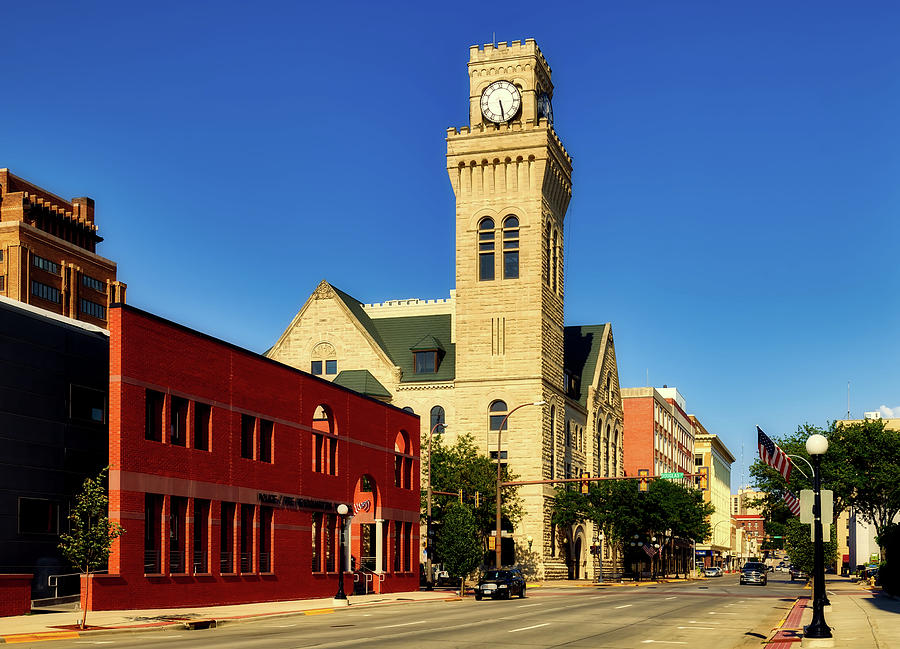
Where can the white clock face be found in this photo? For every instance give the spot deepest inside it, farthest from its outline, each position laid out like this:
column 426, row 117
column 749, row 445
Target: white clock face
column 500, row 102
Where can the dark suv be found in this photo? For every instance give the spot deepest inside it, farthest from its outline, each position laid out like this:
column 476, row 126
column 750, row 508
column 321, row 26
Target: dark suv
column 501, row 583
column 754, row 573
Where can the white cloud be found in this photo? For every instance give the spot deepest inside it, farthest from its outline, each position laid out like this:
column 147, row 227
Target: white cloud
column 889, row 413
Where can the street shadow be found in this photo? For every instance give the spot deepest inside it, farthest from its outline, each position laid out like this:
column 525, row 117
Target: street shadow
column 882, row 602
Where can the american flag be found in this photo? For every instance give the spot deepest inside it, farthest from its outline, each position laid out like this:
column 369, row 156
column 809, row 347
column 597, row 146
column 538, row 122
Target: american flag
column 770, row 454
column 793, row 503
column 650, row 550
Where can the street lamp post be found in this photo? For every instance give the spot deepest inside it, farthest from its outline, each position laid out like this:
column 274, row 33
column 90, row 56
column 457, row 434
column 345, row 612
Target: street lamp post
column 340, row 599
column 497, row 543
column 816, row 446
column 429, row 577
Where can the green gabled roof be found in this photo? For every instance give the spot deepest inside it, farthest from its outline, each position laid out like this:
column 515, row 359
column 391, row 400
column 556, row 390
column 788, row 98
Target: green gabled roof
column 360, row 314
column 582, row 352
column 401, row 335
column 427, row 344
column 363, row 382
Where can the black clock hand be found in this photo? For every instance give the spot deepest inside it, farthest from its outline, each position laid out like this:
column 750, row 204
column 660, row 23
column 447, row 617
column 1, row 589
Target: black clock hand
column 501, row 108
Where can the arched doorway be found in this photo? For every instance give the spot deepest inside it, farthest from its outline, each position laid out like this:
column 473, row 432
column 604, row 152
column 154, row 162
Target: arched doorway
column 576, row 555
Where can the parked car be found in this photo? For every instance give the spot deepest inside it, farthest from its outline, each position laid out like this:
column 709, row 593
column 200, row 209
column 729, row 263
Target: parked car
column 712, row 571
column 501, row 583
column 796, row 573
column 754, row 573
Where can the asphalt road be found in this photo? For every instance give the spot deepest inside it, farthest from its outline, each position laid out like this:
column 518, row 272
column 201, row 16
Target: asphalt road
column 714, row 614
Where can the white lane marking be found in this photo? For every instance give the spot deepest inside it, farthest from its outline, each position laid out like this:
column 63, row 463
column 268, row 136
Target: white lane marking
column 527, row 605
column 722, row 613
column 709, row 628
column 525, row 628
column 663, row 642
column 671, row 598
column 391, row 626
column 596, row 597
column 625, row 606
column 707, row 622
column 282, row 626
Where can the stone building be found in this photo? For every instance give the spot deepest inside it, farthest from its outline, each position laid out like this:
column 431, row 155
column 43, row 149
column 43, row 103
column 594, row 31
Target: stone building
column 498, row 341
column 48, row 253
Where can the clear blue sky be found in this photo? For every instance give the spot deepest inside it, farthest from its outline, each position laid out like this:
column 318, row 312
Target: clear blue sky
column 736, row 185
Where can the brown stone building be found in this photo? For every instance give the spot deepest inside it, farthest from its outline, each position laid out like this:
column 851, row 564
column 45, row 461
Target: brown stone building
column 48, row 253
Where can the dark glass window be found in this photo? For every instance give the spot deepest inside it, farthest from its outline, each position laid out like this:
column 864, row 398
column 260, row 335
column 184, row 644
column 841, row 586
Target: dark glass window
column 201, row 536
column 265, row 539
column 2, row 282
column 177, row 535
column 330, row 367
column 38, row 516
column 330, row 525
column 202, row 412
column 265, row 440
column 248, row 426
column 178, row 418
column 153, row 505
column 426, row 362
column 316, row 542
column 510, row 247
column 153, row 426
column 437, row 420
column 87, row 307
column 226, row 539
column 87, row 404
column 247, row 514
column 92, row 283
column 486, row 249
column 45, row 264
column 498, row 415
column 316, row 368
column 45, row 292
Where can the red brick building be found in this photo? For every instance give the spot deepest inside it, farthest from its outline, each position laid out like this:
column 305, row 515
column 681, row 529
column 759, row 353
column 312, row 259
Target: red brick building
column 658, row 433
column 227, row 469
column 48, row 253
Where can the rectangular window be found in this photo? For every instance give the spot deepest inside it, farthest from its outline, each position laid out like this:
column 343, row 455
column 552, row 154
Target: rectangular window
column 153, row 507
column 330, row 367
column 178, row 418
column 265, row 539
column 45, row 264
column 510, row 264
column 398, row 471
column 486, row 266
column 153, row 425
column 87, row 404
column 2, row 282
column 177, row 535
column 226, row 539
column 316, row 542
column 45, row 292
column 316, row 368
column 95, row 284
column 201, row 536
column 398, row 545
column 426, row 362
column 332, row 456
column 266, row 439
column 38, row 516
column 248, row 427
column 87, row 307
column 202, row 413
column 318, row 453
column 407, row 547
column 330, row 525
column 247, row 514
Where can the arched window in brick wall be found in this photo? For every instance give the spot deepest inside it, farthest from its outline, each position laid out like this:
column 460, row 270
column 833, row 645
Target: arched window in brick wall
column 402, row 461
column 324, row 441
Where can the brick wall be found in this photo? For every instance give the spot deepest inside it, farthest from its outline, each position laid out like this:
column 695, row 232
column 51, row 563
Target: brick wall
column 638, row 434
column 148, row 353
column 15, row 595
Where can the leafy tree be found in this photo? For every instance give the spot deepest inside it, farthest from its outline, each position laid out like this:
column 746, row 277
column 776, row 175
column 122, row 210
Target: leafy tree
column 461, row 466
column 800, row 548
column 861, row 467
column 89, row 540
column 568, row 508
column 459, row 545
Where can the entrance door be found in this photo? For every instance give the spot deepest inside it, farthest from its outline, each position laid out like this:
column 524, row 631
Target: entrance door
column 576, row 558
column 367, row 545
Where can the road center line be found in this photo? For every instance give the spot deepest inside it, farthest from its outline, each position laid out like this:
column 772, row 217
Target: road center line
column 625, row 606
column 525, row 628
column 709, row 628
column 391, row 626
column 527, row 605
column 671, row 598
column 663, row 642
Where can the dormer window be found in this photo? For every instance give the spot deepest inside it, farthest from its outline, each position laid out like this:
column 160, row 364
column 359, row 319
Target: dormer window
column 427, row 355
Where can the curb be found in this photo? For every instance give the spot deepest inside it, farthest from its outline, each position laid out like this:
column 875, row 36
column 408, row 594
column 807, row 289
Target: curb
column 785, row 638
column 200, row 623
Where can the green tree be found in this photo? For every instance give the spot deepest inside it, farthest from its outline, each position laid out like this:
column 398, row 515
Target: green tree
column 459, row 545
column 801, row 548
column 861, row 467
column 568, row 508
column 89, row 540
column 461, row 466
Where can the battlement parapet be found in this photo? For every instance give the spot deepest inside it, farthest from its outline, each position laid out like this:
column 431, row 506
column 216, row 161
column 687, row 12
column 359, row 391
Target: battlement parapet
column 409, row 307
column 490, row 51
column 489, row 128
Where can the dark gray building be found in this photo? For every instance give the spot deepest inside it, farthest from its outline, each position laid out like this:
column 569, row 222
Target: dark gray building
column 54, row 382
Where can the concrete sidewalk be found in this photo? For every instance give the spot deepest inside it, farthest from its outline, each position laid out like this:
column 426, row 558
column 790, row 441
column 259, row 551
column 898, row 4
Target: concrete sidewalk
column 860, row 618
column 59, row 625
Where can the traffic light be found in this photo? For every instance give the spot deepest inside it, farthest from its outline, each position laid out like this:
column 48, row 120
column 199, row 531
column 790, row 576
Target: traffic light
column 644, row 483
column 703, row 482
column 460, row 496
column 585, row 485
column 477, row 500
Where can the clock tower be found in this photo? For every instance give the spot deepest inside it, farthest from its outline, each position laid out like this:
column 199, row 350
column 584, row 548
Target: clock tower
column 512, row 179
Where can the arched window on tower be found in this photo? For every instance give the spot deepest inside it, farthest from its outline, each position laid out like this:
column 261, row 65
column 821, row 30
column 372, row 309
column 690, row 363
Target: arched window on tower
column 554, row 266
column 510, row 247
column 606, row 454
column 548, row 254
column 552, row 442
column 486, row 249
column 437, row 420
column 498, row 412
